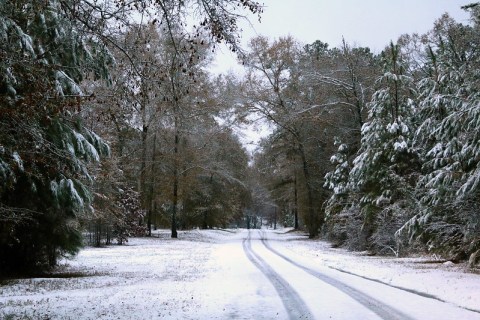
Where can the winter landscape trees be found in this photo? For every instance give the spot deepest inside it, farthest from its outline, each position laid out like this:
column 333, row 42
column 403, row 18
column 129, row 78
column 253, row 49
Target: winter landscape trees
column 401, row 129
column 54, row 54
column 416, row 146
column 111, row 126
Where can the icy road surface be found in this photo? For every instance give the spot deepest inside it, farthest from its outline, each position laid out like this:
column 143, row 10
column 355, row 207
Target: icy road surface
column 240, row 274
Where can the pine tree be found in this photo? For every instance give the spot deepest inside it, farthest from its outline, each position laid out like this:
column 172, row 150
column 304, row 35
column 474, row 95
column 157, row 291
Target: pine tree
column 449, row 141
column 337, row 179
column 386, row 159
column 448, row 115
column 43, row 146
column 385, row 152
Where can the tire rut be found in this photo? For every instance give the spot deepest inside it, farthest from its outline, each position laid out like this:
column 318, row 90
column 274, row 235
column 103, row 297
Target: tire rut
column 384, row 311
column 294, row 305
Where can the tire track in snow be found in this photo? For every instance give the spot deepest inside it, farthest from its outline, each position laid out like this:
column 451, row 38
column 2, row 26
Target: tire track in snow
column 294, row 305
column 384, row 311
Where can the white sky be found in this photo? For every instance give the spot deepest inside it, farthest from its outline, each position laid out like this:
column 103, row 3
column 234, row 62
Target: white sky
column 371, row 23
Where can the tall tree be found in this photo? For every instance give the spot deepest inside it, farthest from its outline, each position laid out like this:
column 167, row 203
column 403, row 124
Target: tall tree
column 386, row 158
column 304, row 93
column 44, row 146
column 448, row 140
column 274, row 78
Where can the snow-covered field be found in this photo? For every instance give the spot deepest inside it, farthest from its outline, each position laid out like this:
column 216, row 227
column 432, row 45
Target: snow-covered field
column 208, row 275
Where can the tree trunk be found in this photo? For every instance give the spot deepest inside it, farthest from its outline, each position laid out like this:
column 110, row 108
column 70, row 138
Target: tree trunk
column 175, row 180
column 150, row 189
column 143, row 166
column 314, row 223
column 143, row 160
column 275, row 219
column 474, row 259
column 355, row 89
column 205, row 220
column 175, row 203
column 295, row 207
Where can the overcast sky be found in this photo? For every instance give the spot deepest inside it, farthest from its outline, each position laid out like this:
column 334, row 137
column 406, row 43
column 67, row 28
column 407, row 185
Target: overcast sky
column 369, row 23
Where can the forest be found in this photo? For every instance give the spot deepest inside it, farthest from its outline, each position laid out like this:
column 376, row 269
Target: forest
column 112, row 125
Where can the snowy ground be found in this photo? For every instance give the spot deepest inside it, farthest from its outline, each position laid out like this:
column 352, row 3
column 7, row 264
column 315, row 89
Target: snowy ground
column 233, row 274
column 449, row 282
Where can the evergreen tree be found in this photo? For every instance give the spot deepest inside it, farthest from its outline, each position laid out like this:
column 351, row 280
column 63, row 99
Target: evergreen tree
column 337, row 179
column 449, row 141
column 386, row 159
column 449, row 115
column 43, row 145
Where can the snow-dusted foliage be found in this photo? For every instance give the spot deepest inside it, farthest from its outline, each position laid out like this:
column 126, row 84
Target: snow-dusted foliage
column 337, row 179
column 386, row 155
column 130, row 213
column 370, row 196
column 449, row 135
column 449, row 141
column 43, row 146
column 117, row 217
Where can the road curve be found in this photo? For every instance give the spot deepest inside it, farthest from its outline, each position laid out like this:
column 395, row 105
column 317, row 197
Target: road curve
column 384, row 311
column 293, row 303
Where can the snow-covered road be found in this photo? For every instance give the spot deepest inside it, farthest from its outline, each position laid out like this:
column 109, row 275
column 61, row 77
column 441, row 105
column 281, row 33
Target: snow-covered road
column 233, row 274
column 316, row 292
